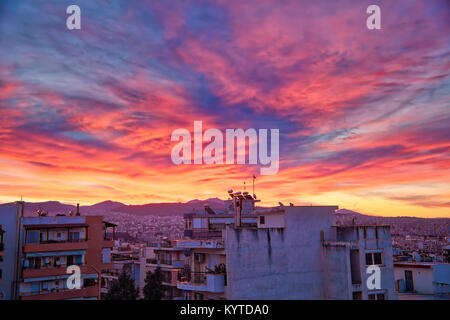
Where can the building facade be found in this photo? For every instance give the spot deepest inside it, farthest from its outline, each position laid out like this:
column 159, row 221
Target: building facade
column 422, row 278
column 9, row 220
column 285, row 252
column 47, row 246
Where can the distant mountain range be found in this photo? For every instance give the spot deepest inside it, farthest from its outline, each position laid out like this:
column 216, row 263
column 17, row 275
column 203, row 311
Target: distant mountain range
column 179, row 208
column 102, row 208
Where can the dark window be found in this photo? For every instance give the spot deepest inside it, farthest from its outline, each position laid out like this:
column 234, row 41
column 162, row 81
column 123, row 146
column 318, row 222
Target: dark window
column 89, row 282
column 355, row 266
column 262, row 220
column 377, row 296
column 357, row 295
column 368, row 259
column 377, row 258
column 374, row 258
column 380, row 296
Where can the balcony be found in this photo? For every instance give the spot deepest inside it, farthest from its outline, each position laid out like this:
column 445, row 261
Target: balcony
column 108, row 243
column 55, row 246
column 62, row 270
column 88, row 292
column 205, row 244
column 166, row 263
column 201, row 281
column 203, row 233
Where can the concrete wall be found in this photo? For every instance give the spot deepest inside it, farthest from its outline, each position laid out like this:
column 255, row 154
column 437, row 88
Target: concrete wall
column 431, row 279
column 370, row 239
column 272, row 221
column 422, row 278
column 442, row 278
column 337, row 272
column 280, row 263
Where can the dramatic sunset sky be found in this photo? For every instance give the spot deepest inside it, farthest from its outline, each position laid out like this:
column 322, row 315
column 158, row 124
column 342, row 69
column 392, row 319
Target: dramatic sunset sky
column 364, row 115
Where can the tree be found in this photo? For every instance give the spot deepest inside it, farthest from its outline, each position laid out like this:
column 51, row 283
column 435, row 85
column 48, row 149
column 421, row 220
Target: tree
column 122, row 289
column 154, row 289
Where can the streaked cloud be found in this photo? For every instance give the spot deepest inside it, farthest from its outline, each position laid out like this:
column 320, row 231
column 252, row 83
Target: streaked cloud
column 87, row 115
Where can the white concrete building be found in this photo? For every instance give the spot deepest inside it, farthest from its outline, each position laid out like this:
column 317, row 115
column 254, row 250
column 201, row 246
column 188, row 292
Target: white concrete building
column 422, row 278
column 285, row 252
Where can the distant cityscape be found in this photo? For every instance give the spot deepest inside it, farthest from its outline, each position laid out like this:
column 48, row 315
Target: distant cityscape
column 152, row 223
column 219, row 249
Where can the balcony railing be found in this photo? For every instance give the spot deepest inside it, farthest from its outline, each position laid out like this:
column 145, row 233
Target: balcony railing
column 52, row 266
column 193, row 277
column 58, row 241
column 53, row 290
column 198, row 277
column 168, row 262
column 202, row 281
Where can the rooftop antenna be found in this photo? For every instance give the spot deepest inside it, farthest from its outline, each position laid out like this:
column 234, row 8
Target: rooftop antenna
column 254, row 177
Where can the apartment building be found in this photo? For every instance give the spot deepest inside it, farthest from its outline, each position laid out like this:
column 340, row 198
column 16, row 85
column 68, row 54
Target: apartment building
column 125, row 257
column 351, row 252
column 2, row 249
column 166, row 256
column 47, row 246
column 284, row 252
column 9, row 221
column 427, row 280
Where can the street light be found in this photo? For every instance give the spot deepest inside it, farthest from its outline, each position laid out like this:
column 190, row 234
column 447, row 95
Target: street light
column 99, row 282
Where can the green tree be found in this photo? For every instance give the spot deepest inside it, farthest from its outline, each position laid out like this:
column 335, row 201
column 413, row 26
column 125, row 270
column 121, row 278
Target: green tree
column 154, row 289
column 122, row 289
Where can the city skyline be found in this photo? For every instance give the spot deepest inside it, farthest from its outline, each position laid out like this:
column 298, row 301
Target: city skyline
column 363, row 114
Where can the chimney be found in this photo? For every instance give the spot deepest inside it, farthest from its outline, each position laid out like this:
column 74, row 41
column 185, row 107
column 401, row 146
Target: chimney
column 78, row 209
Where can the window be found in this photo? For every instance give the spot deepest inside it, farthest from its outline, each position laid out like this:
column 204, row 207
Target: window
column 377, row 258
column 262, row 220
column 33, row 236
column 380, row 296
column 355, row 266
column 357, row 295
column 89, row 282
column 377, row 296
column 374, row 258
column 198, row 296
column 106, row 255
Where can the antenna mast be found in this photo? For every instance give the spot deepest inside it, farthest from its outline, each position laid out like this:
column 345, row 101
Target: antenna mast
column 254, row 177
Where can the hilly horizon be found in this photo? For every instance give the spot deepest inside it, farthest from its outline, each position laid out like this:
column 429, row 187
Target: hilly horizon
column 157, row 209
column 176, row 209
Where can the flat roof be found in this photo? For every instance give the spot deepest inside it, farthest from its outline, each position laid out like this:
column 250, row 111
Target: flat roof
column 416, row 264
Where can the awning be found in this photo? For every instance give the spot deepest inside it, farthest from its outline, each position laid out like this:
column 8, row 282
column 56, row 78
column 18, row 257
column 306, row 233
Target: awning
column 61, row 277
column 56, row 253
